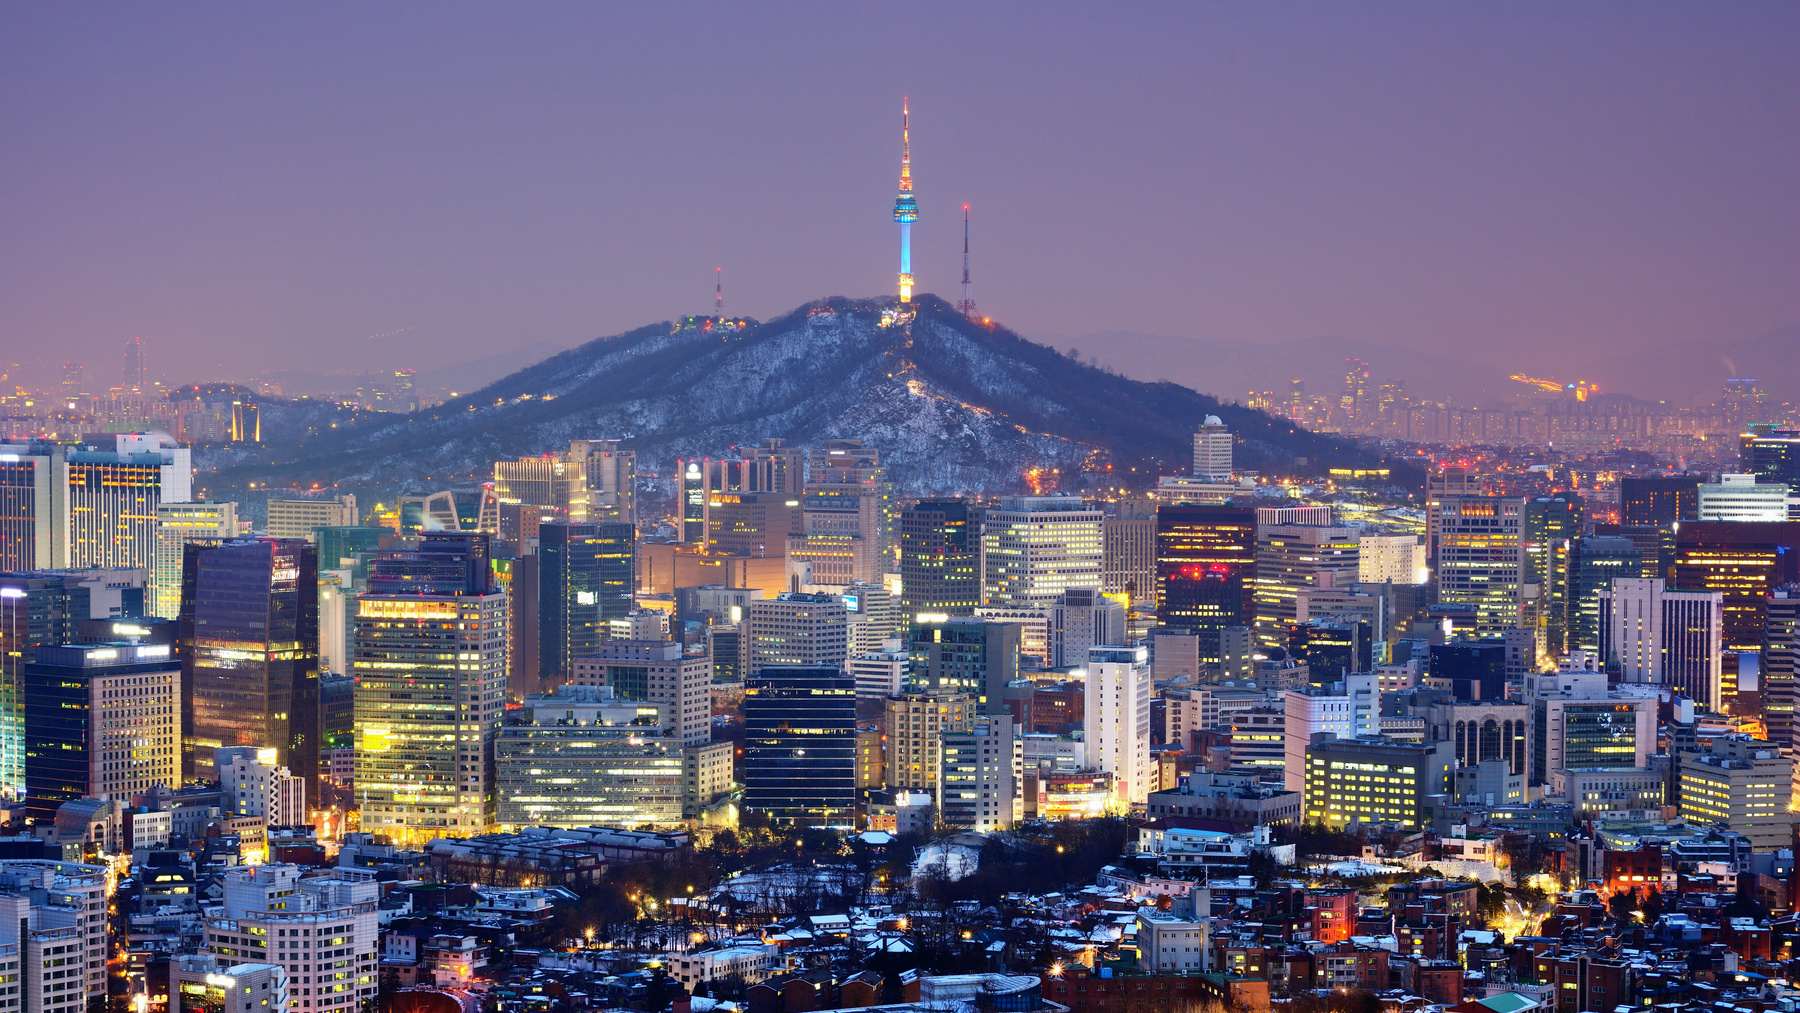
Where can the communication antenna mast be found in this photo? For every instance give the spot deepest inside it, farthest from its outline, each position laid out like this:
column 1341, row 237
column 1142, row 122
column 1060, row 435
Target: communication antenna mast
column 967, row 306
column 718, row 291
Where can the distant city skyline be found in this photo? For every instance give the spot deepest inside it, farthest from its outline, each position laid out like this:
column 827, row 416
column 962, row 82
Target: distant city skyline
column 424, row 188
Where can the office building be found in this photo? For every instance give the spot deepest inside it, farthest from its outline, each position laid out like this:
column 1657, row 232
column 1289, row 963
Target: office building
column 320, row 928
column 1259, row 740
column 916, row 724
column 53, row 929
column 1772, row 454
column 1370, row 604
column 980, row 775
column 555, row 483
column 1671, row 638
column 1346, row 709
column 33, row 506
column 585, row 757
column 725, row 646
column 1128, row 556
column 796, row 630
column 430, row 665
column 799, row 764
column 255, row 785
column 1741, row 784
column 610, row 474
column 1116, row 719
column 1332, row 648
column 1212, row 451
column 348, row 548
column 1037, row 547
column 1206, row 571
column 971, row 656
column 1742, row 498
column 1656, row 546
column 249, row 645
column 1482, row 730
column 198, row 983
column 432, row 511
column 1374, row 780
column 940, row 558
column 299, row 518
column 1595, row 561
column 1034, row 631
column 755, row 524
column 1659, row 500
column 1780, row 665
column 873, row 615
column 1577, row 724
column 585, row 580
column 708, row 773
column 1441, row 486
column 662, row 672
column 882, row 673
column 1612, row 789
column 1471, row 669
column 1743, row 562
column 103, row 722
column 1391, row 559
column 849, row 516
column 113, row 496
column 1081, row 620
column 177, row 524
column 1549, row 523
column 1295, row 557
column 1480, row 561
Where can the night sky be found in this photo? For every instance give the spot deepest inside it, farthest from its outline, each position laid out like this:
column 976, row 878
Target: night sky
column 259, row 187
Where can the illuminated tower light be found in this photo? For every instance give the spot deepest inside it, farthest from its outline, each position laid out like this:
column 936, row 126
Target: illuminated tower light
column 906, row 208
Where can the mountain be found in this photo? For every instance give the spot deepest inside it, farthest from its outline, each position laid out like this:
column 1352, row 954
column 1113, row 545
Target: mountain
column 956, row 406
column 471, row 375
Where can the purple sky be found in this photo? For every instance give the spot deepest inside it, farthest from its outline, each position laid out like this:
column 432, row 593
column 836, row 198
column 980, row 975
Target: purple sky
column 256, row 187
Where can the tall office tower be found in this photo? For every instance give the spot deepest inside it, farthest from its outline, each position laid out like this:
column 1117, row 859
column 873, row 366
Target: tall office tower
column 1772, row 454
column 53, row 922
column 1780, row 665
column 1331, row 648
column 1656, row 546
column 1128, row 554
column 33, row 504
column 1548, row 525
column 1742, row 498
column 301, row 518
column 1212, row 451
column 1670, row 638
column 796, row 630
column 1348, row 709
column 430, row 687
column 321, row 928
column 103, row 723
column 197, row 981
column 1292, row 558
column 757, row 524
column 584, row 757
column 1084, row 620
column 1480, row 561
column 1391, row 559
column 611, row 477
column 135, row 380
column 338, row 548
column 800, row 745
column 1374, row 780
column 1743, row 562
column 586, row 579
column 979, row 776
column 1579, row 725
column 690, row 526
column 906, row 206
column 1206, row 571
column 774, row 467
column 1439, row 486
column 1356, row 399
column 1659, row 500
column 431, row 511
column 255, row 785
column 113, row 496
column 940, row 558
column 1116, row 719
column 1742, row 784
column 249, row 636
column 916, row 724
column 969, row 656
column 178, row 524
column 552, row 481
column 659, row 672
column 849, row 506
column 1036, row 547
column 74, row 379
column 872, row 613
column 1595, row 561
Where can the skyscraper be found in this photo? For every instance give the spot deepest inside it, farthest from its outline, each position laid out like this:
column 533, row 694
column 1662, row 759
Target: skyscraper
column 1116, row 719
column 1659, row 500
column 1671, row 638
column 1549, row 524
column 1479, row 561
column 586, row 579
column 800, row 745
column 974, row 657
column 611, row 475
column 796, row 630
column 1772, row 454
column 430, row 667
column 91, row 505
column 1595, row 561
column 940, row 558
column 1743, row 498
column 299, row 518
column 553, row 481
column 1743, row 562
column 134, row 380
column 1206, row 570
column 104, row 723
column 906, row 208
column 1292, row 558
column 249, row 637
column 1034, row 548
column 1212, row 451
column 849, row 515
column 177, row 525
column 1128, row 559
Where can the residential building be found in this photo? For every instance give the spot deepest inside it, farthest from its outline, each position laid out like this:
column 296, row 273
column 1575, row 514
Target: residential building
column 1116, row 719
column 321, row 929
column 658, row 671
column 1374, row 780
column 1742, row 784
column 799, row 761
column 177, row 524
column 940, row 558
column 796, row 630
column 584, row 757
column 1743, row 498
column 300, row 518
column 1037, row 547
column 104, row 723
column 1174, row 944
column 1206, row 571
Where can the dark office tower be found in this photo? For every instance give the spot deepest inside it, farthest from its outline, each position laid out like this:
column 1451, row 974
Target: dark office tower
column 1595, row 561
column 339, row 547
column 1661, row 500
column 940, row 558
column 585, row 579
column 1772, row 455
column 1476, row 669
column 249, row 644
column 104, row 723
column 973, row 657
column 800, row 745
column 337, row 713
column 691, row 528
column 1549, row 525
column 1655, row 544
column 1744, row 561
column 444, row 562
column 135, row 381
column 1206, row 570
column 1332, row 648
column 1781, row 662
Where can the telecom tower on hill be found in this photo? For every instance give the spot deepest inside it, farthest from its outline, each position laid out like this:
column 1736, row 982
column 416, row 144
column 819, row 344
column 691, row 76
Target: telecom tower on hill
column 906, row 208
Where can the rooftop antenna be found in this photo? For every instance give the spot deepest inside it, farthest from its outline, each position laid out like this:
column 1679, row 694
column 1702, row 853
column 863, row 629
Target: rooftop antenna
column 718, row 291
column 967, row 306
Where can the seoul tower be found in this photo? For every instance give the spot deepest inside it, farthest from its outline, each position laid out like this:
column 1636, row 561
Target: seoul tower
column 906, row 209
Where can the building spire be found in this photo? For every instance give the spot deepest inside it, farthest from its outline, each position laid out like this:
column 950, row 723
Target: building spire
column 906, row 208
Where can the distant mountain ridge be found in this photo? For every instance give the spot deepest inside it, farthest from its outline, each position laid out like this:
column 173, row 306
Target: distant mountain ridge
column 955, row 406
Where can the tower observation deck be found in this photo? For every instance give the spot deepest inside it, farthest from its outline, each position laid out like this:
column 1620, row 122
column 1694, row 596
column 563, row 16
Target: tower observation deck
column 906, row 208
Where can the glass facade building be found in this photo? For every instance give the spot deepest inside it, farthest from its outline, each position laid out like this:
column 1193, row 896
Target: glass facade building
column 1206, row 570
column 940, row 558
column 1742, row 561
column 584, row 757
column 586, row 577
column 800, row 745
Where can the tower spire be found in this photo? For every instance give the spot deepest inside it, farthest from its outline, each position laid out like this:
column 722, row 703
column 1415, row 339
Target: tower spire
column 967, row 306
column 906, row 208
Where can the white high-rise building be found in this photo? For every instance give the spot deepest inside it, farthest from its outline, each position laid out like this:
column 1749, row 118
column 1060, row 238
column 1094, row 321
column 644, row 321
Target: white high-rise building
column 198, row 982
column 1034, row 548
column 1742, row 498
column 1116, row 718
column 657, row 671
column 1212, row 451
column 176, row 525
column 1083, row 620
column 322, row 930
column 53, row 933
column 980, row 774
column 1672, row 638
column 1396, row 559
column 300, row 518
column 796, row 629
column 1351, row 713
column 255, row 785
column 882, row 673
